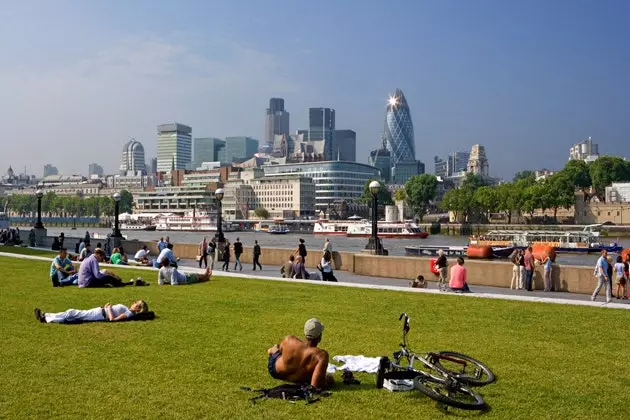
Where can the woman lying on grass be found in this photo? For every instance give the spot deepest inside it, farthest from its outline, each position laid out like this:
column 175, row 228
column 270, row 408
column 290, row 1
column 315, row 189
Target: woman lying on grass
column 138, row 311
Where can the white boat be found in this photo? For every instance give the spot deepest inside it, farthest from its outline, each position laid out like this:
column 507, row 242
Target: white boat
column 279, row 229
column 102, row 236
column 137, row 226
column 189, row 222
column 336, row 227
column 407, row 229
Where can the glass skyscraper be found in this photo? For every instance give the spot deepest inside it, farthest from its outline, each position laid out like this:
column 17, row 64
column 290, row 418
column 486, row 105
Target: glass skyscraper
column 399, row 138
column 321, row 127
column 133, row 158
column 174, row 148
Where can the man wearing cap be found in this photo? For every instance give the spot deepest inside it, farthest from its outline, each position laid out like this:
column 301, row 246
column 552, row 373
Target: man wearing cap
column 300, row 361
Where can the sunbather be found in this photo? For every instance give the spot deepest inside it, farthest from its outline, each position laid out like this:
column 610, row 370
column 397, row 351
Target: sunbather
column 109, row 312
column 172, row 275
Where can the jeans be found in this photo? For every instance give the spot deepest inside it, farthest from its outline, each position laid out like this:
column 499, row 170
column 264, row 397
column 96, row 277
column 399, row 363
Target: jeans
column 62, row 279
column 203, row 258
column 529, row 274
column 548, row 285
column 237, row 261
column 257, row 262
column 601, row 281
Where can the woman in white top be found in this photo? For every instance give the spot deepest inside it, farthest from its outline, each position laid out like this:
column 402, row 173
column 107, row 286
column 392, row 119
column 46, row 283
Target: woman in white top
column 109, row 312
column 325, row 267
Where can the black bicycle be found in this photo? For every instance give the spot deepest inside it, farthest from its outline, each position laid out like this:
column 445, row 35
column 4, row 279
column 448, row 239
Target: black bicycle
column 447, row 375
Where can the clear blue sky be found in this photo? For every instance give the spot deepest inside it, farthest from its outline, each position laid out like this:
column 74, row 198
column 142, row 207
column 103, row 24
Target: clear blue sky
column 524, row 78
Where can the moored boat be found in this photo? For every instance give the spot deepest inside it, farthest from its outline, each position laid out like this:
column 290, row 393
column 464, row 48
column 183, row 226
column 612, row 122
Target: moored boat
column 406, row 229
column 333, row 227
column 278, row 229
column 432, row 251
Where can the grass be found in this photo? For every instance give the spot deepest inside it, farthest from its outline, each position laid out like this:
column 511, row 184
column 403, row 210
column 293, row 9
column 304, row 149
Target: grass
column 552, row 361
column 27, row 251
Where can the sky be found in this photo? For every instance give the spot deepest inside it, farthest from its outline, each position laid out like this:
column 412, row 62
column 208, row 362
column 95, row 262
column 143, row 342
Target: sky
column 526, row 79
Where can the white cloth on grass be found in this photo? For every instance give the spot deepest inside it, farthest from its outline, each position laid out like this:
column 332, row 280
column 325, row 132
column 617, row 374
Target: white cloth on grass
column 355, row 364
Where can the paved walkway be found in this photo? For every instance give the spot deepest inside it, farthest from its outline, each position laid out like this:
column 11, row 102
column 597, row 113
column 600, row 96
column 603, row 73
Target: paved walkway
column 352, row 280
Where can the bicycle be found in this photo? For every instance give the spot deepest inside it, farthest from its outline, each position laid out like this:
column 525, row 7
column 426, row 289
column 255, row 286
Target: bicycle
column 443, row 382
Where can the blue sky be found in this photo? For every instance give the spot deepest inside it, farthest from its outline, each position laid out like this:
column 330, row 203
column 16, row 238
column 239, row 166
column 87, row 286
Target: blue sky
column 524, row 78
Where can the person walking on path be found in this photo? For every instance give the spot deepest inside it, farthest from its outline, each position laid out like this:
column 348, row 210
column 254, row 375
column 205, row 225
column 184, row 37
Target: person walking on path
column 257, row 254
column 301, row 250
column 442, row 266
column 601, row 273
column 327, row 246
column 203, row 252
column 528, row 260
column 226, row 256
column 238, row 251
column 326, row 267
column 212, row 249
column 620, row 278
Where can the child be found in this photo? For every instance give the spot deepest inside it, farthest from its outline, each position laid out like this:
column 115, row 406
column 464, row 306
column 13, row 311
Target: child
column 419, row 282
column 620, row 278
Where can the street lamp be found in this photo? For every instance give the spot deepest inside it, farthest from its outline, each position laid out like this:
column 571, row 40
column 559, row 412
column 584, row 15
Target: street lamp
column 39, row 194
column 374, row 243
column 116, row 234
column 218, row 194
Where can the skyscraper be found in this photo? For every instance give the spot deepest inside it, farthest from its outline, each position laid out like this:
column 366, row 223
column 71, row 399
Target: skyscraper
column 153, row 166
column 240, row 148
column 344, row 145
column 174, row 146
column 133, row 158
column 206, row 149
column 276, row 120
column 382, row 160
column 398, row 135
column 586, row 150
column 321, row 127
column 50, row 170
column 478, row 162
column 95, row 169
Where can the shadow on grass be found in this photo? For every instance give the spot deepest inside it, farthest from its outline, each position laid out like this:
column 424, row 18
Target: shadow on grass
column 447, row 410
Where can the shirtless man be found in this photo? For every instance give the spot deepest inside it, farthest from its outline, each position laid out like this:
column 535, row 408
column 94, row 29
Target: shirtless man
column 300, row 361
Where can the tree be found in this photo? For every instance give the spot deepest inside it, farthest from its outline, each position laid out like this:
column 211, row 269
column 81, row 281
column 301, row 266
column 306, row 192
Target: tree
column 400, row 195
column 384, row 196
column 606, row 170
column 530, row 200
column 508, row 199
column 525, row 175
column 451, row 201
column 261, row 213
column 420, row 191
column 578, row 172
column 473, row 182
column 562, row 189
column 126, row 202
column 486, row 199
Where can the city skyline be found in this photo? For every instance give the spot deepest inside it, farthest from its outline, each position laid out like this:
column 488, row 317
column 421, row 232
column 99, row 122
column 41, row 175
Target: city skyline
column 525, row 80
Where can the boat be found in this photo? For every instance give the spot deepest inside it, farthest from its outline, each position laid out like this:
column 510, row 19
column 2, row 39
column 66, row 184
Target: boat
column 138, row 226
column 261, row 227
column 407, row 229
column 453, row 251
column 278, row 229
column 104, row 237
column 189, row 222
column 587, row 240
column 336, row 227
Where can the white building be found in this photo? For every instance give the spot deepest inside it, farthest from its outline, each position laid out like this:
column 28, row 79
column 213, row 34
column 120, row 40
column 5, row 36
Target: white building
column 478, row 162
column 618, row 192
column 543, row 174
column 174, row 200
column 174, row 146
column 133, row 158
column 586, row 151
column 71, row 185
column 130, row 182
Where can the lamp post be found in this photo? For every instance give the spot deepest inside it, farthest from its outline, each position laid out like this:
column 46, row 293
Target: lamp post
column 116, row 235
column 39, row 225
column 374, row 244
column 218, row 195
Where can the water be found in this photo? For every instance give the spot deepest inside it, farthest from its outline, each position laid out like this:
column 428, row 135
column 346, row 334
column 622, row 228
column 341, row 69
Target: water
column 340, row 243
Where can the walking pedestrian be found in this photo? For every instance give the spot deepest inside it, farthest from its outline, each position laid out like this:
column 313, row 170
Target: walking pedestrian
column 442, row 266
column 547, row 264
column 212, row 249
column 327, row 247
column 515, row 269
column 238, row 251
column 521, row 269
column 301, row 250
column 601, row 273
column 620, row 278
column 257, row 254
column 203, row 252
column 325, row 267
column 226, row 256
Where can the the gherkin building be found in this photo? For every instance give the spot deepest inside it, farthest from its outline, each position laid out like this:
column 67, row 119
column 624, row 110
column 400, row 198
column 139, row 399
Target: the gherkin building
column 398, row 132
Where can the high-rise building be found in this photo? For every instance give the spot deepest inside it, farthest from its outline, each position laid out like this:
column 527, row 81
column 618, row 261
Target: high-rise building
column 95, row 169
column 399, row 138
column 586, row 150
column 478, row 162
column 276, row 120
column 321, row 127
column 206, row 149
column 50, row 170
column 239, row 148
column 441, row 167
column 345, row 145
column 174, row 148
column 133, row 158
column 381, row 159
column 458, row 162
column 153, row 166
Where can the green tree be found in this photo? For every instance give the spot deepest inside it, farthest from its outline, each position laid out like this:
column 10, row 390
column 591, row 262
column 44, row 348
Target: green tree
column 261, row 212
column 106, row 205
column 47, row 202
column 530, row 200
column 473, row 182
column 126, row 202
column 578, row 172
column 525, row 175
column 400, row 195
column 606, row 170
column 420, row 191
column 508, row 199
column 487, row 200
column 562, row 192
column 451, row 201
column 384, row 196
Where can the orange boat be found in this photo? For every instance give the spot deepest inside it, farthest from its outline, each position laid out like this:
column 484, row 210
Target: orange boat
column 540, row 252
column 479, row 251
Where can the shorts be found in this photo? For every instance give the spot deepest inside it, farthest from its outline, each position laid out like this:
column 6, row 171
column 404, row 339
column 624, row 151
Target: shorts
column 192, row 278
column 620, row 280
column 271, row 364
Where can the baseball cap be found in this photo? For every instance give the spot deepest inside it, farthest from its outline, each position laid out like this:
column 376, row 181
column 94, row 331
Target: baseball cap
column 313, row 328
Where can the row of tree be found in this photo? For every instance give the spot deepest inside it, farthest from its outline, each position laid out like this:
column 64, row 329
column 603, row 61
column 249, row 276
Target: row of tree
column 66, row 206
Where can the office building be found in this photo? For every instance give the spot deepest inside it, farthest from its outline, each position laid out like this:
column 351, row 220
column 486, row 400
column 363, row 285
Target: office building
column 130, row 181
column 441, row 167
column 321, row 127
column 207, row 149
column 586, row 151
column 132, row 158
column 238, row 149
column 50, row 170
column 333, row 180
column 455, row 163
column 153, row 166
column 174, row 148
column 618, row 192
column 95, row 169
column 276, row 120
column 478, row 162
column 344, row 145
column 174, row 199
column 381, row 159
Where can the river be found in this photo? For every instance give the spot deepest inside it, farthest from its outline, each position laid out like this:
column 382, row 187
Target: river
column 394, row 246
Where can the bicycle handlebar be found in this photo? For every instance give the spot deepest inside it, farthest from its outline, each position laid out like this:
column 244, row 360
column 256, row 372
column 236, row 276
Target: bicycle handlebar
column 404, row 314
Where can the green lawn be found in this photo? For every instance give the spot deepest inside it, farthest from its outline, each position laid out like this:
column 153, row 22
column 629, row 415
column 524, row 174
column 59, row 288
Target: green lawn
column 27, row 251
column 552, row 361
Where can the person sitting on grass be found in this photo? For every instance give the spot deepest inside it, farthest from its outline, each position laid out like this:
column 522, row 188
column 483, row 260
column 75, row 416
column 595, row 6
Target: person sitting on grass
column 166, row 254
column 90, row 276
column 62, row 272
column 168, row 274
column 142, row 255
column 459, row 280
column 419, row 282
column 300, row 361
column 109, row 312
column 85, row 252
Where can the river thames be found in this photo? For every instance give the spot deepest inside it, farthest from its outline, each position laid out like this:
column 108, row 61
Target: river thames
column 316, row 242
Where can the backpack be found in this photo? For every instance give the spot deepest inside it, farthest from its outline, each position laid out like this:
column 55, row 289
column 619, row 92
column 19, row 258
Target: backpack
column 289, row 392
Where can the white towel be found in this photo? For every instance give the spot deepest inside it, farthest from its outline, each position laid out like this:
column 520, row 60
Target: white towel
column 355, row 364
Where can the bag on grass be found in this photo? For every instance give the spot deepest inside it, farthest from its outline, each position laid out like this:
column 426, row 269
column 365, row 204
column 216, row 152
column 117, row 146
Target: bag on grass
column 289, row 392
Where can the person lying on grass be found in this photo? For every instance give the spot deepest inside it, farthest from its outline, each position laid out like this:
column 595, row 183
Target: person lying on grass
column 300, row 361
column 168, row 274
column 109, row 312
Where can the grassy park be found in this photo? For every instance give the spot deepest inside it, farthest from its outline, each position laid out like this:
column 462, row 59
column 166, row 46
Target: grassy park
column 552, row 361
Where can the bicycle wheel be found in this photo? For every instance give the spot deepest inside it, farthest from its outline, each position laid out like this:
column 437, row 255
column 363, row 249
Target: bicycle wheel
column 463, row 368
column 449, row 392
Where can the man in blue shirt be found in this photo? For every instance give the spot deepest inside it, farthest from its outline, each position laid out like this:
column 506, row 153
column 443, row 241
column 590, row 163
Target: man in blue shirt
column 62, row 272
column 601, row 272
